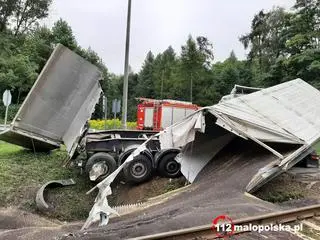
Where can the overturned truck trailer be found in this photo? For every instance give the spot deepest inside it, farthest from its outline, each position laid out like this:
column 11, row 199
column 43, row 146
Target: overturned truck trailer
column 58, row 105
column 285, row 114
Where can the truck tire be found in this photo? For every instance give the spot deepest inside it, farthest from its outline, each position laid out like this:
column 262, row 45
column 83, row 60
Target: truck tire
column 102, row 160
column 168, row 166
column 138, row 170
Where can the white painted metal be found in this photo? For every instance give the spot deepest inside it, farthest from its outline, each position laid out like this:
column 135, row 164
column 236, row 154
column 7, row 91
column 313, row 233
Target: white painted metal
column 189, row 111
column 288, row 112
column 148, row 117
column 60, row 102
column 6, row 98
column 166, row 116
column 178, row 114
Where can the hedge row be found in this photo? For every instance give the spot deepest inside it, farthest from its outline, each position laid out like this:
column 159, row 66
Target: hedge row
column 110, row 124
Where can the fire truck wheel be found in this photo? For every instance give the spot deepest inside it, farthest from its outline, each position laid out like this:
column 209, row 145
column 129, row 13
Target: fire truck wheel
column 99, row 166
column 138, row 170
column 168, row 166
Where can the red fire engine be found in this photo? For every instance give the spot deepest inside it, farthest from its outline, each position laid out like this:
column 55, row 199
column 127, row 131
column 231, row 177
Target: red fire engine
column 156, row 115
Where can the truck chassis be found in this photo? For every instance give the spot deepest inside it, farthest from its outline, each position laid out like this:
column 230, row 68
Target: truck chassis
column 101, row 152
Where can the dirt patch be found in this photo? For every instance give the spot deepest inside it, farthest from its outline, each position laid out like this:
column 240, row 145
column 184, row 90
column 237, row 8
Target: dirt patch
column 24, row 172
column 18, row 224
column 287, row 190
column 129, row 194
column 281, row 189
column 11, row 218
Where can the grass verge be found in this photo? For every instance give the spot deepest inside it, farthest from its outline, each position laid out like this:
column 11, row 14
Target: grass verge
column 22, row 172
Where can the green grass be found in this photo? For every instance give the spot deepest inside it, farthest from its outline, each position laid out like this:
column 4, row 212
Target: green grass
column 317, row 147
column 22, row 172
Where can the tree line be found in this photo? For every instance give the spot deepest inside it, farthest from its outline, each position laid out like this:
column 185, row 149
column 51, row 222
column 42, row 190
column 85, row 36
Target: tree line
column 282, row 45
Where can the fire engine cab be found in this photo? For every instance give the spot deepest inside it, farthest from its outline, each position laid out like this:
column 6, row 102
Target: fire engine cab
column 156, row 115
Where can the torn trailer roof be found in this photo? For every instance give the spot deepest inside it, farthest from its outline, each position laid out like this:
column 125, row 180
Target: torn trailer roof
column 287, row 113
column 57, row 107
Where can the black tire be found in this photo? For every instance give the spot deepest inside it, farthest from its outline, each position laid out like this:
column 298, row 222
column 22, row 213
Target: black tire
column 168, row 166
column 138, row 170
column 101, row 157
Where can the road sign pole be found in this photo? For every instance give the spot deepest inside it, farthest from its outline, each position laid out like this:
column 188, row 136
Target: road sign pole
column 105, row 109
column 6, row 116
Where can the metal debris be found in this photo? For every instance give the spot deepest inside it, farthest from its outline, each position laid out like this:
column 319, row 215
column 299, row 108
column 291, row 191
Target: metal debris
column 286, row 113
column 57, row 107
column 41, row 203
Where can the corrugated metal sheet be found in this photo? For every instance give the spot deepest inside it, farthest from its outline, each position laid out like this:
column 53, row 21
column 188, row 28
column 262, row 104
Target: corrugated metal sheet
column 290, row 110
column 59, row 103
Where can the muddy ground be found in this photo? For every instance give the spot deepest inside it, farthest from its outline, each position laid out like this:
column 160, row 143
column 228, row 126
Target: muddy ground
column 218, row 190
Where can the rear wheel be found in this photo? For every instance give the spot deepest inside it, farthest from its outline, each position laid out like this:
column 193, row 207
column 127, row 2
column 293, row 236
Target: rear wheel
column 138, row 170
column 168, row 166
column 99, row 166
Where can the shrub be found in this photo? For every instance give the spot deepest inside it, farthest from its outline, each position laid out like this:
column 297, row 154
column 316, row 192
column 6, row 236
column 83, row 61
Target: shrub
column 110, row 124
column 13, row 109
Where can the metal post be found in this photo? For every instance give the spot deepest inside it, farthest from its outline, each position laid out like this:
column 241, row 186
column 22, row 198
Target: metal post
column 191, row 87
column 126, row 70
column 6, row 116
column 105, row 112
column 162, row 76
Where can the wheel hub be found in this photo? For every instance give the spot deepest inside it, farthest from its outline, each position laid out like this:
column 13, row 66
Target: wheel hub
column 98, row 169
column 138, row 170
column 172, row 167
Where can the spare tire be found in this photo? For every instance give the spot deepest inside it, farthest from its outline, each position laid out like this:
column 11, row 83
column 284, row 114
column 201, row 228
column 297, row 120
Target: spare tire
column 168, row 166
column 100, row 163
column 138, row 170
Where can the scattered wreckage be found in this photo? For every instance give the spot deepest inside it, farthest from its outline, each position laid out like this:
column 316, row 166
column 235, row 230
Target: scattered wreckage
column 56, row 112
column 41, row 203
column 63, row 98
column 283, row 114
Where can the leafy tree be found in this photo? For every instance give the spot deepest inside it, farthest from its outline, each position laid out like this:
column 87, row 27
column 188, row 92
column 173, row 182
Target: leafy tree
column 145, row 85
column 165, row 73
column 27, row 13
column 195, row 61
column 7, row 8
column 62, row 33
column 38, row 46
column 304, row 30
column 266, row 40
column 17, row 73
column 228, row 73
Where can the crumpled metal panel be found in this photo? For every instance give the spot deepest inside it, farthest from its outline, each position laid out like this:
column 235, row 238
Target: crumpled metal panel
column 61, row 100
column 28, row 140
column 286, row 113
column 290, row 110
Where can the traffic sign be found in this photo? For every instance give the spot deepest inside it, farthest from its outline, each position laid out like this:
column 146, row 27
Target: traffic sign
column 6, row 98
column 116, row 105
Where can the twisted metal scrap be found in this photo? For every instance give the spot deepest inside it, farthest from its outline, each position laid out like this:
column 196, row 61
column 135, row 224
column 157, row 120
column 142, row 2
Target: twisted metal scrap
column 101, row 209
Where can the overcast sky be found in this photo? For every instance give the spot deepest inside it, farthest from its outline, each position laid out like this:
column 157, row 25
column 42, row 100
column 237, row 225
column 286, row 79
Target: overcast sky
column 156, row 24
